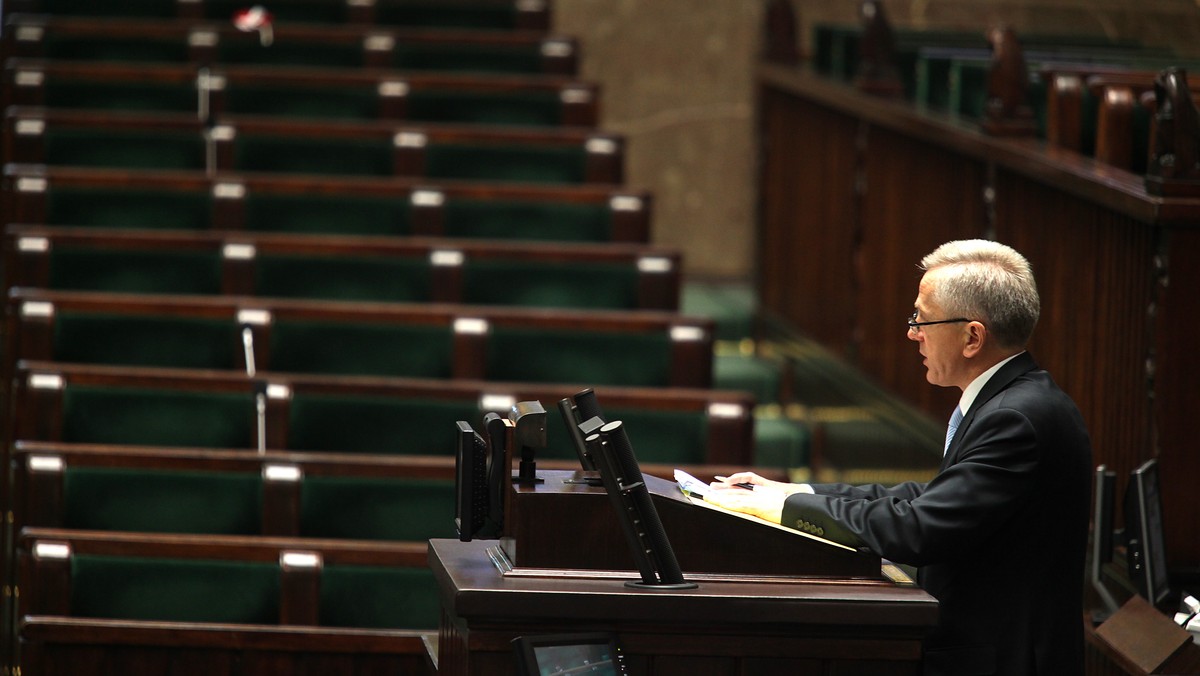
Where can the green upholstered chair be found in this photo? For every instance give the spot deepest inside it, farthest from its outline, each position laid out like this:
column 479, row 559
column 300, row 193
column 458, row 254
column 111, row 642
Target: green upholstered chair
column 416, row 351
column 526, row 164
column 362, row 508
column 374, row 424
column 149, row 95
column 343, row 278
column 144, row 8
column 379, row 597
column 290, row 154
column 94, row 48
column 146, row 340
column 135, row 271
column 303, row 101
column 158, row 417
column 286, row 53
column 555, row 355
column 551, row 221
column 174, row 589
column 341, row 214
column 571, row 285
column 536, row 109
column 466, row 58
column 128, row 208
column 127, row 149
column 162, row 501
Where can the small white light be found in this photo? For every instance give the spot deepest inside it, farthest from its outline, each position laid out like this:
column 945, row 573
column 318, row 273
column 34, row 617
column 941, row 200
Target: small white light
column 229, row 191
column 33, row 127
column 37, row 308
column 300, row 559
column 576, row 95
column 288, row 473
column 202, row 39
column 471, row 326
column 393, row 88
column 30, row 33
column 601, row 146
column 212, row 83
column 625, row 203
column 654, row 264
column 29, row 78
column 223, row 132
column 719, row 409
column 428, row 198
column 254, row 317
column 447, row 258
column 557, row 48
column 497, row 402
column 27, row 184
column 379, row 42
column 45, row 463
column 45, row 381
column 278, row 391
column 682, row 334
column 51, row 550
column 409, row 139
column 33, row 245
column 239, row 252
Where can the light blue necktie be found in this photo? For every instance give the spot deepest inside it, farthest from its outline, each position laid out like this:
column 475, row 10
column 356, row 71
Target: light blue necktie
column 955, row 419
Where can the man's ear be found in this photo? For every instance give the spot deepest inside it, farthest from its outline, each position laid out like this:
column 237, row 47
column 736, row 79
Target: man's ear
column 976, row 339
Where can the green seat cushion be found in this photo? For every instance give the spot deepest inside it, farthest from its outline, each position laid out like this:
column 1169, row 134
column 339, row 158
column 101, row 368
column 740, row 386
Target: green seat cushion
column 342, row 214
column 525, row 164
column 364, row 349
column 162, row 501
column 546, row 221
column 291, row 53
column 545, row 355
column 107, row 208
column 782, row 443
column 174, row 590
column 748, row 373
column 534, row 109
column 145, row 341
column 158, row 417
column 379, row 598
column 126, row 149
column 185, row 272
column 466, row 58
column 178, row 97
column 368, row 157
column 668, row 437
column 564, row 285
column 304, row 102
column 366, row 424
column 110, row 48
column 344, row 278
column 377, row 509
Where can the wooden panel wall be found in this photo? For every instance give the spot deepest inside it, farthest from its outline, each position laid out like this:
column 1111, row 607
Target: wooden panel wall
column 1098, row 243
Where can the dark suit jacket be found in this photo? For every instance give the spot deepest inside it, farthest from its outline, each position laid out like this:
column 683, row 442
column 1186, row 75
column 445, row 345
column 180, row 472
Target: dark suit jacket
column 999, row 535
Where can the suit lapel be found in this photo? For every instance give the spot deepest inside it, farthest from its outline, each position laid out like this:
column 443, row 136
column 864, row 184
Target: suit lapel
column 1014, row 369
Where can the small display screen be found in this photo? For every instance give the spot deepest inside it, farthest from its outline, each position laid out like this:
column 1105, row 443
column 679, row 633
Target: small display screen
column 553, row 660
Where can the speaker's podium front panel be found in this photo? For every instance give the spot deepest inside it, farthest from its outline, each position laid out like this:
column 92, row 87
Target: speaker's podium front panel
column 768, row 601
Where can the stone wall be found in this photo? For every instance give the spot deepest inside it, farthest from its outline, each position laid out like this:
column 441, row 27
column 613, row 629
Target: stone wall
column 677, row 78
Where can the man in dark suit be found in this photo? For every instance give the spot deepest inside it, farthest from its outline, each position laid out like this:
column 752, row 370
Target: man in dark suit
column 999, row 534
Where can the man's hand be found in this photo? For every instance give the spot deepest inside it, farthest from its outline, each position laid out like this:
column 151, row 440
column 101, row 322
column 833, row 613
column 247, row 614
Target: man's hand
column 765, row 502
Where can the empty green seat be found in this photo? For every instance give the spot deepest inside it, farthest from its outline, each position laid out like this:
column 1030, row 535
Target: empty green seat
column 526, row 164
column 558, row 221
column 666, row 437
column 298, row 154
column 304, row 101
column 135, row 271
column 379, row 597
column 374, row 424
column 362, row 508
column 556, row 355
column 158, row 417
column 129, row 208
column 417, row 351
column 162, row 501
column 146, row 340
column 174, row 589
column 347, row 278
column 573, row 285
column 128, row 149
column 342, row 214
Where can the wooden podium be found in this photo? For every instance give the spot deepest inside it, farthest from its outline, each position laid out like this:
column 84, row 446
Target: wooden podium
column 743, row 618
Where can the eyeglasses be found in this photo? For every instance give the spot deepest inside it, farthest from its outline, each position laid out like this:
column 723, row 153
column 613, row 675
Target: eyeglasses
column 914, row 326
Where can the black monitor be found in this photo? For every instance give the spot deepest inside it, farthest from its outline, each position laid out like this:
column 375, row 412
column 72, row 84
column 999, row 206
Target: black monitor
column 577, row 409
column 471, row 491
column 1144, row 536
column 597, row 653
column 1103, row 499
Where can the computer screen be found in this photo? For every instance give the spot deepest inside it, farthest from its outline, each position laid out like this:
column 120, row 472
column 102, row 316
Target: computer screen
column 597, row 653
column 472, row 494
column 1144, row 535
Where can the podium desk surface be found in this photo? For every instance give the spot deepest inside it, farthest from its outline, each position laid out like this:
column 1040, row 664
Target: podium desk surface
column 472, row 586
